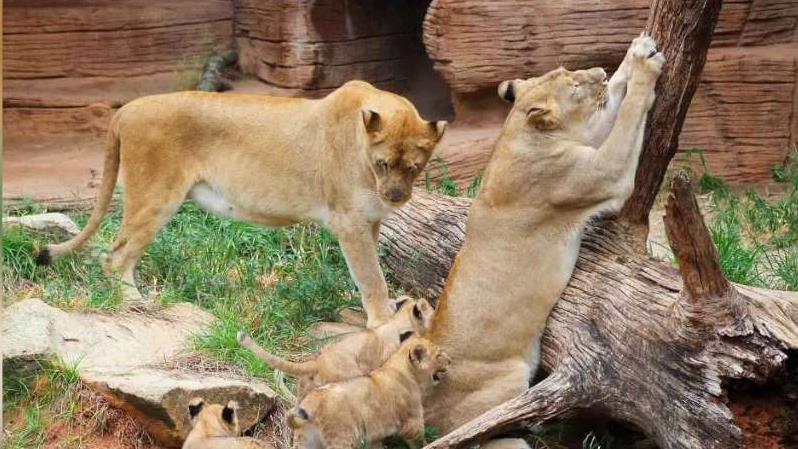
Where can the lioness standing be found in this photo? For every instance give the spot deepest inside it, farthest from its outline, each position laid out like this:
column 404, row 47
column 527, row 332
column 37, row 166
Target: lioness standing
column 345, row 161
column 568, row 150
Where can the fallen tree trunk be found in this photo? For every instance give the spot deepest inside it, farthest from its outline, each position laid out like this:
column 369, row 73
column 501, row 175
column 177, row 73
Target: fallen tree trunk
column 631, row 337
column 626, row 337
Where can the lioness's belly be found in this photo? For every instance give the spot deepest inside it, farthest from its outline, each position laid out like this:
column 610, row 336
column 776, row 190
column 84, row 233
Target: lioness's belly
column 216, row 202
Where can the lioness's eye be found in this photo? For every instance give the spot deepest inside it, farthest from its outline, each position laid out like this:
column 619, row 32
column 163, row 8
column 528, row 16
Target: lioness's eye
column 413, row 168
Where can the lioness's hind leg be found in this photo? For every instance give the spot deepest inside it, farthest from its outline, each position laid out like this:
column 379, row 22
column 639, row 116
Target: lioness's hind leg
column 144, row 215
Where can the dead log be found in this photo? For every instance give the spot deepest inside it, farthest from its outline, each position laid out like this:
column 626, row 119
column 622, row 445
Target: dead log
column 632, row 338
column 626, row 339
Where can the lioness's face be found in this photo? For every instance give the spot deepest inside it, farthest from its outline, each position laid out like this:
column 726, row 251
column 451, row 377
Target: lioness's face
column 560, row 99
column 400, row 147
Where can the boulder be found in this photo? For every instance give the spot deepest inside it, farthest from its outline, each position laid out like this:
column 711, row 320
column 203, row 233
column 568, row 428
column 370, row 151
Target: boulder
column 126, row 357
column 50, row 223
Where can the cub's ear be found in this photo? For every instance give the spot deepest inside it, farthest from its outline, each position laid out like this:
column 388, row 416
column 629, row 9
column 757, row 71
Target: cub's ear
column 372, row 121
column 438, row 128
column 418, row 354
column 229, row 412
column 397, row 304
column 416, row 312
column 542, row 115
column 405, row 335
column 424, row 305
column 507, row 91
column 194, row 407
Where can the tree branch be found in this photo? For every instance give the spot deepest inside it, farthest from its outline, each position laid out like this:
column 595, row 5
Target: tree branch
column 554, row 397
column 683, row 30
column 690, row 241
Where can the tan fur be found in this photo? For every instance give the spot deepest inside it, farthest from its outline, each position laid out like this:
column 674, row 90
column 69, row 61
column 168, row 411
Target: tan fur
column 210, row 429
column 354, row 354
column 371, row 408
column 568, row 150
column 345, row 161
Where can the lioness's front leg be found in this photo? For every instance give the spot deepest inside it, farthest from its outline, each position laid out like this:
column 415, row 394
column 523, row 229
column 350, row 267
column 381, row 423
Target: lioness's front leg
column 604, row 176
column 360, row 250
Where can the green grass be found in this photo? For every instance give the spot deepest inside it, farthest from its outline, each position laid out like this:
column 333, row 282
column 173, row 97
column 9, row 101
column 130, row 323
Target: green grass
column 757, row 238
column 275, row 283
column 448, row 186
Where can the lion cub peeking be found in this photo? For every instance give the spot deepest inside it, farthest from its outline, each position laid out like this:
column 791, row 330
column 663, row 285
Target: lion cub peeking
column 370, row 408
column 354, row 354
column 346, row 161
column 214, row 426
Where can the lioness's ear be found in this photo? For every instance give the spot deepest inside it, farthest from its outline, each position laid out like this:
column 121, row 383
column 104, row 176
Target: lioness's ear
column 372, row 121
column 507, row 91
column 542, row 116
column 438, row 128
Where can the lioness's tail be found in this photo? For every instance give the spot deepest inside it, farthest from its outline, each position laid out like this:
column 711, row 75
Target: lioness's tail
column 110, row 173
column 294, row 369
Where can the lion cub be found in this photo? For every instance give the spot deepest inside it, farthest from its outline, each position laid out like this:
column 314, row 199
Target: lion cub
column 370, row 408
column 214, row 426
column 355, row 354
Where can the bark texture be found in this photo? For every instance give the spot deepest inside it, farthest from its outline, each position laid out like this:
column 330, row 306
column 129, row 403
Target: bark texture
column 684, row 31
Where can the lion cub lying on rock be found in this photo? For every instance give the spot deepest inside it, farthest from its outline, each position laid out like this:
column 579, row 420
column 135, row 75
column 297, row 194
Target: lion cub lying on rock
column 373, row 407
column 214, row 426
column 355, row 354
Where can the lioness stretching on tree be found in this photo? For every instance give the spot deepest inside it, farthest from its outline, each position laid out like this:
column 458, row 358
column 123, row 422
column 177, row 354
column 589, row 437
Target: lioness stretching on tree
column 345, row 161
column 568, row 151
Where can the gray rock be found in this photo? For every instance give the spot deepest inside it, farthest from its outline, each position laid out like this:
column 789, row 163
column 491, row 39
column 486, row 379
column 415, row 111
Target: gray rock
column 50, row 223
column 126, row 356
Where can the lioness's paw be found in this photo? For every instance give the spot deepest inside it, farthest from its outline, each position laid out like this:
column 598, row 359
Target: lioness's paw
column 645, row 56
column 643, row 47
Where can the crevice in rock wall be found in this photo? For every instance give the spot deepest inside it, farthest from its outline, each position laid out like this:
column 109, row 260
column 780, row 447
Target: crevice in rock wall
column 426, row 88
column 311, row 48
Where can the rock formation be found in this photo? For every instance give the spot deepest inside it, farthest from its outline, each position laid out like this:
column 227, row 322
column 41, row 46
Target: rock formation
column 745, row 113
column 130, row 359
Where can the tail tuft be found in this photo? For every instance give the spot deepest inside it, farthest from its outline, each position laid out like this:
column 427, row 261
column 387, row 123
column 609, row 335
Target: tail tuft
column 44, row 257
